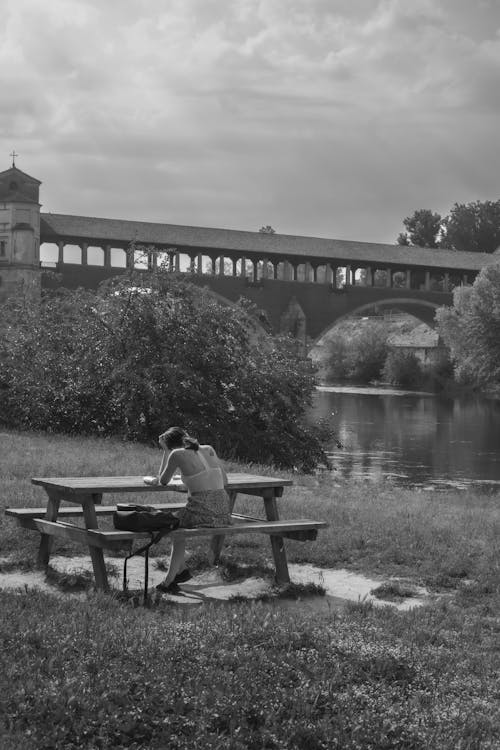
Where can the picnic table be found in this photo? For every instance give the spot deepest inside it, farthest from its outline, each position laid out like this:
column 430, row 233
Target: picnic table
column 84, row 496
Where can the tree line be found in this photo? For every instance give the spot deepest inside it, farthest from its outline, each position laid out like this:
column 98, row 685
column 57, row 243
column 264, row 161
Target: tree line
column 471, row 227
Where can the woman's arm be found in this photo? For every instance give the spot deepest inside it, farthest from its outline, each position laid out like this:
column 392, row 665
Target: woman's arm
column 168, row 470
column 163, row 462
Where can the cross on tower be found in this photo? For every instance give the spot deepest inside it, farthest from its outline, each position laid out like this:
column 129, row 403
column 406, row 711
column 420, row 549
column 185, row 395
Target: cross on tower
column 13, row 154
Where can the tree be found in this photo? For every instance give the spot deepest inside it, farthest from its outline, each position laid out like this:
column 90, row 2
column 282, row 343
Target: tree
column 145, row 352
column 402, row 368
column 422, row 229
column 369, row 353
column 358, row 355
column 267, row 230
column 473, row 227
column 471, row 329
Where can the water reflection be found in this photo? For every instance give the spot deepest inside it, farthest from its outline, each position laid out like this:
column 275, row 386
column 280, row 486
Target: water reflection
column 417, row 439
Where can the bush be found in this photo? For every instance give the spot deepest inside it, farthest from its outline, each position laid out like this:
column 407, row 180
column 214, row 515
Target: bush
column 369, row 353
column 129, row 361
column 359, row 356
column 337, row 365
column 402, row 368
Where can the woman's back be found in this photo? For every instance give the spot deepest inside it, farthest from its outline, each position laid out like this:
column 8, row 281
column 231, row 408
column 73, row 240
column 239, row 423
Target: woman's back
column 200, row 470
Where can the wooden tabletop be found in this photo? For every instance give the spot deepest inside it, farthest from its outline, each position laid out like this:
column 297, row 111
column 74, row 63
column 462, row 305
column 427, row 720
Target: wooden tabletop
column 91, row 485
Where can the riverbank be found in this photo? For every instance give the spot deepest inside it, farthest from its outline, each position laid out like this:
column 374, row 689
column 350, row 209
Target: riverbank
column 95, row 672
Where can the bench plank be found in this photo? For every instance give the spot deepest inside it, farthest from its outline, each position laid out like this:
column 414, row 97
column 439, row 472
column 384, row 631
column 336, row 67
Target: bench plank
column 64, row 530
column 103, row 539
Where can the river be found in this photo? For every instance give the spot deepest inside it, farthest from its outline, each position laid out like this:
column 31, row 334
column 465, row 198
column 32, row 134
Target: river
column 414, row 439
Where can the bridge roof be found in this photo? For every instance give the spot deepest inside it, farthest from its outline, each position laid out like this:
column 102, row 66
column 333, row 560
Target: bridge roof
column 249, row 244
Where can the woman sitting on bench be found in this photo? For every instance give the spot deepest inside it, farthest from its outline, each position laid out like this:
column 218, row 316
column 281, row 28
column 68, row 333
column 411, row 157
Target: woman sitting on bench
column 207, row 503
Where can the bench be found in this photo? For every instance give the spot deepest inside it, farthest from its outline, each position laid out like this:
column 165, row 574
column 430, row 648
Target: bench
column 33, row 518
column 85, row 497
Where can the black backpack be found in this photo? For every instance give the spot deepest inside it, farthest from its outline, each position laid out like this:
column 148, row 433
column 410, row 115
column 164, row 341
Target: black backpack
column 144, row 518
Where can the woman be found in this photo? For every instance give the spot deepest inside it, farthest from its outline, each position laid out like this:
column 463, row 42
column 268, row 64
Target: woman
column 207, row 504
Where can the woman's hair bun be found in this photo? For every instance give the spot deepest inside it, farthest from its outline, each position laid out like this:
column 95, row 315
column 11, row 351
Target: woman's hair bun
column 177, row 437
column 190, row 444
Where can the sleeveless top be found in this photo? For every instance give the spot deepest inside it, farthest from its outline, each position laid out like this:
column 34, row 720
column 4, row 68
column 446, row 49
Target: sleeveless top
column 209, row 478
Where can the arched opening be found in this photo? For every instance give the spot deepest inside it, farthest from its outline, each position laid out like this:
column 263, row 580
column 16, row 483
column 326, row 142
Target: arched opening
column 183, row 262
column 265, row 269
column 280, row 270
column 223, row 266
column 208, row 264
column 72, row 254
column 49, row 253
column 118, row 257
column 375, row 329
column 140, row 259
column 95, row 256
column 359, row 276
column 324, row 274
column 380, row 277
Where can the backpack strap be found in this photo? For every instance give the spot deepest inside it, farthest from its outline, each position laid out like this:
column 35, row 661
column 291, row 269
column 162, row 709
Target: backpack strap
column 155, row 538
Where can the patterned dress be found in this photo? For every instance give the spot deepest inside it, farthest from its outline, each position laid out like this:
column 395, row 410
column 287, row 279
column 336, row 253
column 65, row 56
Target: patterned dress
column 206, row 508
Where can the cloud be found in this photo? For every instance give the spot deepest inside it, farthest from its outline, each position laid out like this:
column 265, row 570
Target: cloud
column 330, row 117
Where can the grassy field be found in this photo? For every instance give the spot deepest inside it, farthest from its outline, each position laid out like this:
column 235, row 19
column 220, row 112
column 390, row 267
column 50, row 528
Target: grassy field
column 97, row 673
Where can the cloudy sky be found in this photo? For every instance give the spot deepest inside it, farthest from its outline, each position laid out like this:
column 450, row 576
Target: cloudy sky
column 333, row 118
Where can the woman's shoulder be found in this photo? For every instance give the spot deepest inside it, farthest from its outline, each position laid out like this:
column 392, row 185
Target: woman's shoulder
column 209, row 449
column 176, row 453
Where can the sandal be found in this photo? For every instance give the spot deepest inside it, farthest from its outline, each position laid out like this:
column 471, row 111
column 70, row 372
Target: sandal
column 183, row 576
column 168, row 588
column 173, row 588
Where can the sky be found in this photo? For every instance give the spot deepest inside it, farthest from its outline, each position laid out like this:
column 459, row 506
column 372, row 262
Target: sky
column 328, row 118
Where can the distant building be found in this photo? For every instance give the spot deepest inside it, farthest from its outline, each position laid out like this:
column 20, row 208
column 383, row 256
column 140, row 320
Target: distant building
column 423, row 342
column 19, row 234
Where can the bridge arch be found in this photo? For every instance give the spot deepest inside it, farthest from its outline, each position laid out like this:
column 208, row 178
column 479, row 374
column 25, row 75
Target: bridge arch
column 424, row 310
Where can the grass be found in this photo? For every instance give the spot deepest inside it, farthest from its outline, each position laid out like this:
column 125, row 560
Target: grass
column 97, row 672
column 394, row 591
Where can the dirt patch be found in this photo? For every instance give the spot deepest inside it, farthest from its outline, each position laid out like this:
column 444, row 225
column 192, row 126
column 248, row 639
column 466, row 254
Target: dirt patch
column 340, row 586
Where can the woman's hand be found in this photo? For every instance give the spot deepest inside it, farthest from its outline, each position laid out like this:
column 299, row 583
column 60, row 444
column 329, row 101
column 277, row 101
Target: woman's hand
column 151, row 480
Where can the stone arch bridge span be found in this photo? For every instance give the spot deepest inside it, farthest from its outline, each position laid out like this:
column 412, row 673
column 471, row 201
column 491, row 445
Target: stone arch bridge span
column 305, row 309
column 303, row 285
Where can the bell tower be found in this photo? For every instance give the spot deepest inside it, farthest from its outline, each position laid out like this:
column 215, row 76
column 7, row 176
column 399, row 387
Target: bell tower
column 19, row 233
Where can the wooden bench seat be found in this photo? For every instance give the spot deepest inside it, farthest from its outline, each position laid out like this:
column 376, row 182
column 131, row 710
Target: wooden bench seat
column 29, row 518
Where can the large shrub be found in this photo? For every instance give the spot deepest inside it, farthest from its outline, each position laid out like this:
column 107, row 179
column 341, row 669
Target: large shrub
column 471, row 329
column 358, row 354
column 131, row 360
column 402, row 368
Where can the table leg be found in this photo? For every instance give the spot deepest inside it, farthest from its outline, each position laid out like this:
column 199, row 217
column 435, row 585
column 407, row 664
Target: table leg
column 46, row 540
column 218, row 541
column 277, row 542
column 96, row 554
